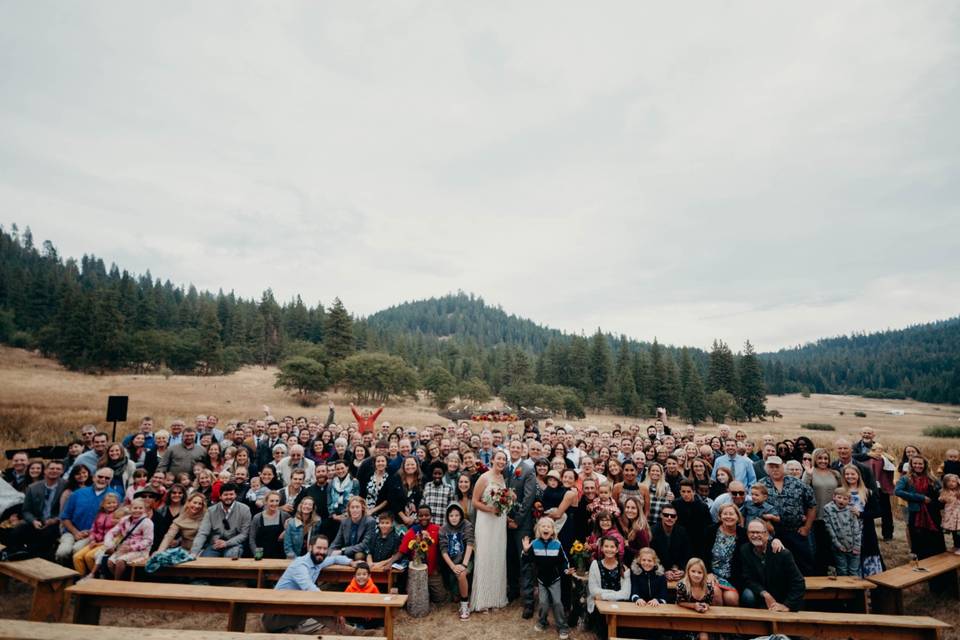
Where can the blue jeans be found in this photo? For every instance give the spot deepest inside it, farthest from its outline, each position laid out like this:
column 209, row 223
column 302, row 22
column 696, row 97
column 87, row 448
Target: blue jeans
column 847, row 564
column 550, row 599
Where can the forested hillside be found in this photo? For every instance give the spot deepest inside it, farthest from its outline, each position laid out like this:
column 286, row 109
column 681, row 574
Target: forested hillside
column 920, row 362
column 94, row 318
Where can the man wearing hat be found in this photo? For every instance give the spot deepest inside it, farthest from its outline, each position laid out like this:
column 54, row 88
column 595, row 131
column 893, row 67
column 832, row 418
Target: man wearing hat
column 795, row 502
column 157, row 512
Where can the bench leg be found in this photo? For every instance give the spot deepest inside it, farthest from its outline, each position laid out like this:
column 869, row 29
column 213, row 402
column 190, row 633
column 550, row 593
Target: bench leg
column 237, row 620
column 84, row 612
column 48, row 602
column 888, row 601
column 388, row 622
column 612, row 626
column 390, row 580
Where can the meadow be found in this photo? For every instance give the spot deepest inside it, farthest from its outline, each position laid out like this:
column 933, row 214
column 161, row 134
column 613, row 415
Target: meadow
column 41, row 403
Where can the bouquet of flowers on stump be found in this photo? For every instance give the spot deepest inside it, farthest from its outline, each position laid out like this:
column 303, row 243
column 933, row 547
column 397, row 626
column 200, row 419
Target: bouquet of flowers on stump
column 581, row 555
column 500, row 498
column 420, row 544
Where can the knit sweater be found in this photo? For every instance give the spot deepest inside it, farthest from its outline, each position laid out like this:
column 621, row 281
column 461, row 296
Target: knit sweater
column 845, row 528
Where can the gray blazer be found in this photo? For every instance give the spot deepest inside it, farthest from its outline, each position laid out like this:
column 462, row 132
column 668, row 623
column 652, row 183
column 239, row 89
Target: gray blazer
column 33, row 501
column 366, row 529
column 234, row 530
column 524, row 485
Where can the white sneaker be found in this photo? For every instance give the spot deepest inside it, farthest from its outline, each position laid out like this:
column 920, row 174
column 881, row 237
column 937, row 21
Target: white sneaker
column 564, row 636
column 464, row 611
column 539, row 627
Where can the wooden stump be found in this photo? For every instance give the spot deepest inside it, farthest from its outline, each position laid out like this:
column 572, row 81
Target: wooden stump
column 418, row 591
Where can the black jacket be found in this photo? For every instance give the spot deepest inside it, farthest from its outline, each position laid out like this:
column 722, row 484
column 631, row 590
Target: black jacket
column 695, row 518
column 647, row 585
column 673, row 550
column 776, row 573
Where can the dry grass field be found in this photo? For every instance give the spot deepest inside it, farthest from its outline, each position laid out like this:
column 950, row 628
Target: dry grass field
column 41, row 403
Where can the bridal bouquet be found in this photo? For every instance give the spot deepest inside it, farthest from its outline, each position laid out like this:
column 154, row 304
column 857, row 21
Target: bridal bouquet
column 502, row 499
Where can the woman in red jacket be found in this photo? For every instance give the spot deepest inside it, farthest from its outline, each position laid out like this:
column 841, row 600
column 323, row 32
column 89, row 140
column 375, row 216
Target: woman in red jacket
column 365, row 419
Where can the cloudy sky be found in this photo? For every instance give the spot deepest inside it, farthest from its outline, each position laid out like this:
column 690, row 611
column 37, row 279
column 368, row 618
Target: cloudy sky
column 771, row 171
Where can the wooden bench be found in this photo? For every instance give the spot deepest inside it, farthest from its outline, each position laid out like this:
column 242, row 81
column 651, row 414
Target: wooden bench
column 49, row 581
column 823, row 588
column 761, row 622
column 888, row 594
column 24, row 630
column 91, row 596
column 262, row 571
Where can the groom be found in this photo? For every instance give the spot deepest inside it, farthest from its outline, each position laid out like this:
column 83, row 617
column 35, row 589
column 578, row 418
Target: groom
column 522, row 479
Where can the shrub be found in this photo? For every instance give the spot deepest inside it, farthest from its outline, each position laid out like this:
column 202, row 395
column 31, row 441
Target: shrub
column 805, row 392
column 860, row 414
column 842, row 412
column 942, row 431
column 818, row 426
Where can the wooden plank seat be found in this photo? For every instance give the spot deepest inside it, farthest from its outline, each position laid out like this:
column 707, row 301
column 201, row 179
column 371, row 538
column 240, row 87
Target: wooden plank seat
column 824, row 588
column 91, row 596
column 49, row 581
column 888, row 594
column 262, row 571
column 761, row 622
column 26, row 630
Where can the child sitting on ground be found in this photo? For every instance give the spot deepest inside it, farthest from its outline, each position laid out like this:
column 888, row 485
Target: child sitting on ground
column 361, row 583
column 846, row 532
column 759, row 509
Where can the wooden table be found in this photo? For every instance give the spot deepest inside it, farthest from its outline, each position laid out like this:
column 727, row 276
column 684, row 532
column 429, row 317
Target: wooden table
column 888, row 594
column 263, row 571
column 49, row 581
column 24, row 630
column 761, row 622
column 92, row 595
column 823, row 588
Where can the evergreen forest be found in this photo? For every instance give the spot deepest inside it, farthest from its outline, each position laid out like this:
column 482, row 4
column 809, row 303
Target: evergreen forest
column 95, row 318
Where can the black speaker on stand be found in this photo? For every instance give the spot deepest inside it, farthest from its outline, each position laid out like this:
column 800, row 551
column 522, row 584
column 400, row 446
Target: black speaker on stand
column 116, row 412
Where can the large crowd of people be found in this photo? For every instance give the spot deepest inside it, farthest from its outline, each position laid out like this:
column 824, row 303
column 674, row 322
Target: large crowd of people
column 552, row 515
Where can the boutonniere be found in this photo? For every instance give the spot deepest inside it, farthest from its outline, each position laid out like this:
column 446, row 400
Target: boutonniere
column 518, row 471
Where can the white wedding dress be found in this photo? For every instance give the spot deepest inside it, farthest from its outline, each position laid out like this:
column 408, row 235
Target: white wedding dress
column 490, row 564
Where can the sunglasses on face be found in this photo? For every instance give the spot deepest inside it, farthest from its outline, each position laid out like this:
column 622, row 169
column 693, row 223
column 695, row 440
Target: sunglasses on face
column 738, row 493
column 668, row 515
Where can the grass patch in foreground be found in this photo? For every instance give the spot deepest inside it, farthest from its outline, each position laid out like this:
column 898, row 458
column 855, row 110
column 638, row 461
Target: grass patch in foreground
column 818, row 426
column 942, row 431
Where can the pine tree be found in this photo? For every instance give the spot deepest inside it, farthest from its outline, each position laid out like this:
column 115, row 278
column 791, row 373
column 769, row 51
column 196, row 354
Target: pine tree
column 753, row 393
column 600, row 368
column 722, row 374
column 211, row 346
column 338, row 332
column 577, row 374
column 694, row 404
column 778, row 384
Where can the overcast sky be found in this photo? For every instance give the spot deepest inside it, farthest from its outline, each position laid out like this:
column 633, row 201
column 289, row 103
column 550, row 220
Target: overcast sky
column 772, row 171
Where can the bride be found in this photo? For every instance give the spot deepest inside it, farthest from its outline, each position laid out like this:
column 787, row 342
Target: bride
column 490, row 564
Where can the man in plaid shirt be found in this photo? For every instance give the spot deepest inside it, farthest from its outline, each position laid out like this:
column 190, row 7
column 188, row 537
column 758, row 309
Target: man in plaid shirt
column 436, row 494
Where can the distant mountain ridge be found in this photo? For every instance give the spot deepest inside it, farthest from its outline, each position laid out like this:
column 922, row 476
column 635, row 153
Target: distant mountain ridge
column 921, row 361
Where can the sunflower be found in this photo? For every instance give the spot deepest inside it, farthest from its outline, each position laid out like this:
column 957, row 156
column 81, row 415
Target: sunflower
column 424, row 547
column 577, row 547
column 412, row 545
